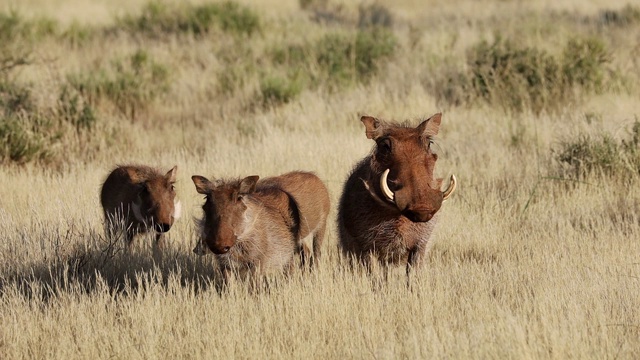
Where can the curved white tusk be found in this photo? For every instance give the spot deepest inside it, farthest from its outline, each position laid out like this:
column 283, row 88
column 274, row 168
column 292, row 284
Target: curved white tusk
column 388, row 194
column 452, row 187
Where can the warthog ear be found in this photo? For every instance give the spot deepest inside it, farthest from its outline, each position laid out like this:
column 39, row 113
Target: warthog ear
column 203, row 185
column 135, row 176
column 171, row 174
column 248, row 185
column 372, row 127
column 430, row 126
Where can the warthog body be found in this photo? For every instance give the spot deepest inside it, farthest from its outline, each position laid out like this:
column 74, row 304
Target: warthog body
column 140, row 199
column 312, row 199
column 390, row 202
column 260, row 225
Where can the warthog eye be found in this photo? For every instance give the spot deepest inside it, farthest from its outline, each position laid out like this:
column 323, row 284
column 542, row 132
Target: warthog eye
column 385, row 145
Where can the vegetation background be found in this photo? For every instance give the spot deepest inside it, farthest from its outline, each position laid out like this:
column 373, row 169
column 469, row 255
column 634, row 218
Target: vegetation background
column 536, row 255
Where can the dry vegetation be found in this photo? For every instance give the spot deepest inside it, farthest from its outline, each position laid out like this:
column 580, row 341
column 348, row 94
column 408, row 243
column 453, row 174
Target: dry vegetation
column 536, row 256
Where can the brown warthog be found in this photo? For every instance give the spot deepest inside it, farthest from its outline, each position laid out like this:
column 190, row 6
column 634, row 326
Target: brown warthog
column 312, row 198
column 259, row 226
column 140, row 198
column 389, row 203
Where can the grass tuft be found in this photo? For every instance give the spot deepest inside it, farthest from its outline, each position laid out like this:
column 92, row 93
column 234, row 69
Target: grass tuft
column 587, row 155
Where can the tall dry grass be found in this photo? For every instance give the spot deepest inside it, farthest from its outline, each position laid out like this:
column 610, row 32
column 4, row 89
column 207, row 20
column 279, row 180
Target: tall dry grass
column 529, row 260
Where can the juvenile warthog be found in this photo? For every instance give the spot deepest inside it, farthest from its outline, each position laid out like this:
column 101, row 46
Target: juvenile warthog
column 140, row 198
column 258, row 226
column 312, row 199
column 389, row 203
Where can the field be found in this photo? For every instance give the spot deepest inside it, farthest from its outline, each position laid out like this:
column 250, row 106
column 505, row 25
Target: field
column 537, row 254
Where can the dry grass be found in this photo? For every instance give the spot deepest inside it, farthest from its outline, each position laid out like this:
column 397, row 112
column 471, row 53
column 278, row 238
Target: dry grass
column 525, row 264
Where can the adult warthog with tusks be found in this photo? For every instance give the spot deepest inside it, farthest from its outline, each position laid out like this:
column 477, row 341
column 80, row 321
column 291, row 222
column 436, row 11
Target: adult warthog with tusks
column 140, row 198
column 390, row 202
column 258, row 226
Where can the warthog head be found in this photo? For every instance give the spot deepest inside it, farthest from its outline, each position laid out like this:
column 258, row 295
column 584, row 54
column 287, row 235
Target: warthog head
column 404, row 161
column 156, row 202
column 224, row 211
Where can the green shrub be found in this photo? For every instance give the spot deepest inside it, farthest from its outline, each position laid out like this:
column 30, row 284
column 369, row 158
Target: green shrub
column 518, row 78
column 292, row 55
column 14, row 28
column 335, row 57
column 25, row 138
column 373, row 47
column 584, row 63
column 603, row 155
column 78, row 35
column 277, row 90
column 236, row 19
column 10, row 25
column 25, row 135
column 73, row 109
column 15, row 98
column 159, row 18
column 131, row 85
column 345, row 61
column 521, row 78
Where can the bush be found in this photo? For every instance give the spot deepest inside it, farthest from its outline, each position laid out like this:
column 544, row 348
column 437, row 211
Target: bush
column 335, row 60
column 277, row 90
column 25, row 135
column 29, row 133
column 526, row 78
column 603, row 155
column 15, row 98
column 26, row 138
column 73, row 109
column 584, row 64
column 77, row 34
column 346, row 61
column 131, row 85
column 14, row 28
column 517, row 78
column 159, row 18
column 373, row 47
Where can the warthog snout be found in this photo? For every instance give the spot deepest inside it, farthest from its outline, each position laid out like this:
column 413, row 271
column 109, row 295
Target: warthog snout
column 219, row 250
column 163, row 227
column 419, row 215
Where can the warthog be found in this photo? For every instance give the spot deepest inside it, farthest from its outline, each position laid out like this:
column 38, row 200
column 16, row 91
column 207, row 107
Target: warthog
column 259, row 225
column 140, row 198
column 390, row 202
column 312, row 198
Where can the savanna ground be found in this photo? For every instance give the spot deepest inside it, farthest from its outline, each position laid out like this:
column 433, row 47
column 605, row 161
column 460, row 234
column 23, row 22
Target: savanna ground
column 536, row 254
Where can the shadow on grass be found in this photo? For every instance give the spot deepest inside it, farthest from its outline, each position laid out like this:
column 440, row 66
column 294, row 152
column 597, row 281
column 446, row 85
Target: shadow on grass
column 92, row 263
